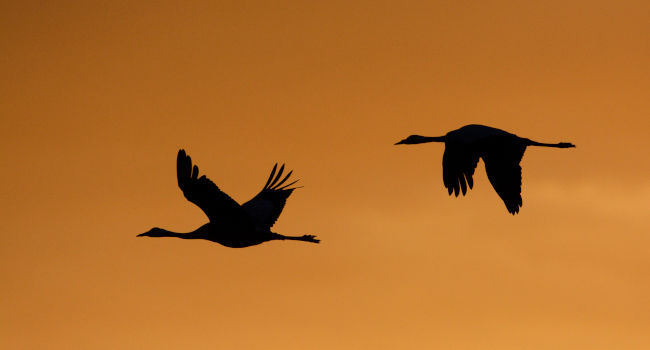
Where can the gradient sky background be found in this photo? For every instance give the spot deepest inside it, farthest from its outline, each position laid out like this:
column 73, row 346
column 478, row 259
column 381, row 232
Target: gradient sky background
column 96, row 98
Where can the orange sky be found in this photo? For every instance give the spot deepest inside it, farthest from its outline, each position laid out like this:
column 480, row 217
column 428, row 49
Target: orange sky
column 97, row 98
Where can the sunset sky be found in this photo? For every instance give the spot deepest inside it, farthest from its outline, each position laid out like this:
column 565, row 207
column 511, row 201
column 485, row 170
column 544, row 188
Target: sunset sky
column 97, row 97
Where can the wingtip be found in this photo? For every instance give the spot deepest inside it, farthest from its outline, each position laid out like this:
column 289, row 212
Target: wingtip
column 277, row 176
column 513, row 208
column 284, row 188
column 275, row 167
column 277, row 185
column 274, row 183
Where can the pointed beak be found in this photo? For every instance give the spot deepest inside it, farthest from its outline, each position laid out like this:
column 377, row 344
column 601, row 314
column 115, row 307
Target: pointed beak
column 399, row 143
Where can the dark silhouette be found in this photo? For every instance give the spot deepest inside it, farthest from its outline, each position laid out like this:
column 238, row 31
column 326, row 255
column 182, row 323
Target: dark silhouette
column 231, row 224
column 501, row 152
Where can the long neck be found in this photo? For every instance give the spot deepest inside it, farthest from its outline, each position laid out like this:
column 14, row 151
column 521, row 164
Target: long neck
column 415, row 139
column 166, row 233
column 425, row 139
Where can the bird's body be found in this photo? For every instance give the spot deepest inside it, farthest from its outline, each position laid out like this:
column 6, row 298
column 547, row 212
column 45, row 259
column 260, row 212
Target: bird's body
column 501, row 152
column 231, row 224
column 476, row 134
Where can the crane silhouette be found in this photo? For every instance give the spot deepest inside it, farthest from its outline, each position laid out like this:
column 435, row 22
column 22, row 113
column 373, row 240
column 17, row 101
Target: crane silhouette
column 231, row 224
column 501, row 152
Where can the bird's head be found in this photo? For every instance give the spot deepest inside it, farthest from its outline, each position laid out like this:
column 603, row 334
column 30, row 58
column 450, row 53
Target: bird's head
column 154, row 232
column 413, row 139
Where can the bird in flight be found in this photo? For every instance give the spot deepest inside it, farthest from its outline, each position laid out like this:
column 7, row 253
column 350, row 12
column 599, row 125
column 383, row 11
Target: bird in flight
column 501, row 152
column 231, row 224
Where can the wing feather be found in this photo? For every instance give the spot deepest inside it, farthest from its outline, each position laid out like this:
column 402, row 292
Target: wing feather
column 266, row 206
column 216, row 204
column 458, row 165
column 283, row 180
column 504, row 172
column 271, row 176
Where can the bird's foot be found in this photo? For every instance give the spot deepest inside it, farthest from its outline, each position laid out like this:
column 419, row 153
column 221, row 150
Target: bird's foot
column 310, row 238
column 566, row 145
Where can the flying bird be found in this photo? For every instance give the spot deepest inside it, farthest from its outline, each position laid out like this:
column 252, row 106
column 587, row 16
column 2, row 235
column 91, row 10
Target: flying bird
column 231, row 224
column 501, row 152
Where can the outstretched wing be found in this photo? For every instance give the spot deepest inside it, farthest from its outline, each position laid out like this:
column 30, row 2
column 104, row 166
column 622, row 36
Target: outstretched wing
column 458, row 165
column 503, row 170
column 217, row 205
column 266, row 206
